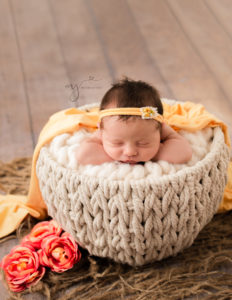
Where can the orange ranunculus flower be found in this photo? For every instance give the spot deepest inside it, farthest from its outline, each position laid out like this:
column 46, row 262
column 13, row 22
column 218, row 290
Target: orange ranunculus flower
column 22, row 268
column 40, row 231
column 59, row 253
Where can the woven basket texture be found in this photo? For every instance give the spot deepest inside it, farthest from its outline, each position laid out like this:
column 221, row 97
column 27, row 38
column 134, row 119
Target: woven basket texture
column 135, row 221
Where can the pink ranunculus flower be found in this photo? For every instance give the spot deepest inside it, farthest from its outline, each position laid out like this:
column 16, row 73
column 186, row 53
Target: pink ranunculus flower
column 59, row 253
column 22, row 268
column 40, row 231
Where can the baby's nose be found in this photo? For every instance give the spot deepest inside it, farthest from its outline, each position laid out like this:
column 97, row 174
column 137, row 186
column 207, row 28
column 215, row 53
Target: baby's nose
column 130, row 151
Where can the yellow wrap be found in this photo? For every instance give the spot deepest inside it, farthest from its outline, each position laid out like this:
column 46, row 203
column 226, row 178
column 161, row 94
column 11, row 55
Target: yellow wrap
column 187, row 116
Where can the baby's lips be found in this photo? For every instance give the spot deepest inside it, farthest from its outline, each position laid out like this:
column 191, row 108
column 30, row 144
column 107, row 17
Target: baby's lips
column 131, row 162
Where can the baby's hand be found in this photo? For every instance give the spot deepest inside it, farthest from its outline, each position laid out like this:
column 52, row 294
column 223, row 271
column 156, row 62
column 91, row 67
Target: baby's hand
column 174, row 148
column 91, row 151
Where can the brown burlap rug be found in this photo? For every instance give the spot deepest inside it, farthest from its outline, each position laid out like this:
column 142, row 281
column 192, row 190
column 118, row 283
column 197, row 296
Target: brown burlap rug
column 204, row 271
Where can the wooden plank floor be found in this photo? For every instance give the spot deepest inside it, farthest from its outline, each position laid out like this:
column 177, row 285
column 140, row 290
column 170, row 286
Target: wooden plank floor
column 182, row 47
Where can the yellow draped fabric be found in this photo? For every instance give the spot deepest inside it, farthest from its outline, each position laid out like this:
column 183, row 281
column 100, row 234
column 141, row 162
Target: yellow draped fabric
column 187, row 116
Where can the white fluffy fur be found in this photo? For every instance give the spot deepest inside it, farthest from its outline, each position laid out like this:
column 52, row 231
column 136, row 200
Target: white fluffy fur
column 64, row 147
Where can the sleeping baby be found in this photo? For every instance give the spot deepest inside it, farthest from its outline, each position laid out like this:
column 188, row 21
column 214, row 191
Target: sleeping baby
column 132, row 129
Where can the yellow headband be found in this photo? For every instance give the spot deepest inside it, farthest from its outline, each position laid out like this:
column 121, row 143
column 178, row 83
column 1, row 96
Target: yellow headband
column 147, row 112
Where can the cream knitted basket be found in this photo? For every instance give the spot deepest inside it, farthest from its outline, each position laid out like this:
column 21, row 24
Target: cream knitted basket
column 135, row 221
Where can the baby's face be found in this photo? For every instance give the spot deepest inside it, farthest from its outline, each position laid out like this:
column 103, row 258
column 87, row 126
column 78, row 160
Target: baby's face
column 130, row 141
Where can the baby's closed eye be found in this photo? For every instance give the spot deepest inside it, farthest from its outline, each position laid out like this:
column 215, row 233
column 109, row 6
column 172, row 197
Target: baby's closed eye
column 116, row 143
column 143, row 144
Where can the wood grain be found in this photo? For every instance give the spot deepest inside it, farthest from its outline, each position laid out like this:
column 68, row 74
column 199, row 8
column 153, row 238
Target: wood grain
column 15, row 127
column 182, row 47
column 83, row 51
column 42, row 60
column 213, row 47
column 125, row 44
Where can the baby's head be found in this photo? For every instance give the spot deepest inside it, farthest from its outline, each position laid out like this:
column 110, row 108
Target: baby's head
column 130, row 138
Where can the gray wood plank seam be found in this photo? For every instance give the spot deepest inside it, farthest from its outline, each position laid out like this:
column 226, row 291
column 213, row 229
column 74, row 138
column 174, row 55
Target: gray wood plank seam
column 23, row 74
column 198, row 53
column 101, row 39
column 217, row 19
column 144, row 43
column 53, row 18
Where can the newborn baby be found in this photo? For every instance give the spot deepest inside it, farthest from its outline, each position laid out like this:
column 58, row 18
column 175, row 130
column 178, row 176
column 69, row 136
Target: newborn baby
column 132, row 129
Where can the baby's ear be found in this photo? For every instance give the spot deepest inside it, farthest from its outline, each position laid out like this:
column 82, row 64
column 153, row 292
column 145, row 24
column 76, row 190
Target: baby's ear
column 99, row 129
column 99, row 126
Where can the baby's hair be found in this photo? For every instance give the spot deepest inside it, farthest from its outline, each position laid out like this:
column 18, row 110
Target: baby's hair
column 131, row 93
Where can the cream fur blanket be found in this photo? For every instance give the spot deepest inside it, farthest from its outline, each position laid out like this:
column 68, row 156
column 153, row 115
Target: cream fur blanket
column 64, row 147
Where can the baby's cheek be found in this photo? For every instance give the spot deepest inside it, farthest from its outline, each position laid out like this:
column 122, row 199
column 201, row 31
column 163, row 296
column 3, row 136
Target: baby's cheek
column 110, row 151
column 151, row 153
column 115, row 153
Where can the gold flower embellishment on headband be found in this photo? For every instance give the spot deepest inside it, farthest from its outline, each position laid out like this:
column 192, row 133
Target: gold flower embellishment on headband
column 149, row 112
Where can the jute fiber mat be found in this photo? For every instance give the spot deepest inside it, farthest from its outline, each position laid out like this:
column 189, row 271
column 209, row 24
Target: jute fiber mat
column 204, row 271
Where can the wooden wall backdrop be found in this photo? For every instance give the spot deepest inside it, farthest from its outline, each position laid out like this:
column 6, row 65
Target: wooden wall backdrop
column 183, row 47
